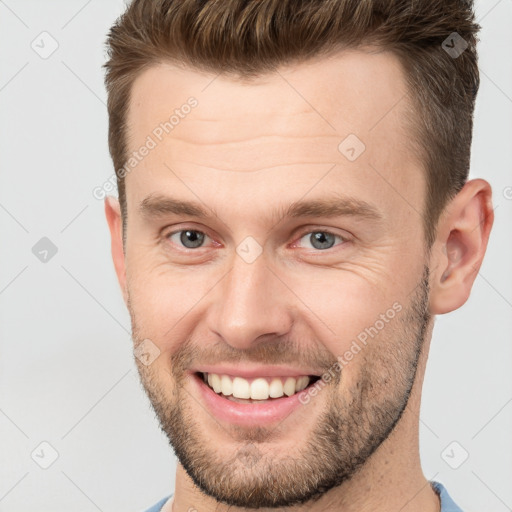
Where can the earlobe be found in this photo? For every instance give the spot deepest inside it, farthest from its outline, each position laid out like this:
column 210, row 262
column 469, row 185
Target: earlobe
column 114, row 221
column 463, row 233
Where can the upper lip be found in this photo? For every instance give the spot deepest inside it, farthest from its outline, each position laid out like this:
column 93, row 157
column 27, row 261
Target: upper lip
column 251, row 372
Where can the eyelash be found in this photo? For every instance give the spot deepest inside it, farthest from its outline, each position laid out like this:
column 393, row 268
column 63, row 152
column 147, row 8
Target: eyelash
column 344, row 240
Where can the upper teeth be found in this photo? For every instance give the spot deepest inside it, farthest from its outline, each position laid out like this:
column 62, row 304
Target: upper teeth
column 261, row 388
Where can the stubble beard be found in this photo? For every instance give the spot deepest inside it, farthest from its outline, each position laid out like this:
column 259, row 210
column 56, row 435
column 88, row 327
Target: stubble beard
column 353, row 424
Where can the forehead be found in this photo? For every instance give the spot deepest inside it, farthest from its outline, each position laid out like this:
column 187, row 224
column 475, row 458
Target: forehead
column 289, row 123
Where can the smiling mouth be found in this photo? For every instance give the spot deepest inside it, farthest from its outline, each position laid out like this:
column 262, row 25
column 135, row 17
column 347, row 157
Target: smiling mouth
column 257, row 390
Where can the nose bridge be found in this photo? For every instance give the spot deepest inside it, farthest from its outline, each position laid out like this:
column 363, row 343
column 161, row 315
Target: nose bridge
column 249, row 303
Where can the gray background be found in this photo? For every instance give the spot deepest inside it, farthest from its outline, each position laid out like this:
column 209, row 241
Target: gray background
column 66, row 371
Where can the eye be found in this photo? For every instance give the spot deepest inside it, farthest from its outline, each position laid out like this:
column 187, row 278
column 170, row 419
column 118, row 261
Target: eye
column 321, row 240
column 189, row 238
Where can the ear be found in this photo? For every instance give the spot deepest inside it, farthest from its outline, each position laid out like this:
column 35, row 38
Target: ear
column 114, row 220
column 457, row 254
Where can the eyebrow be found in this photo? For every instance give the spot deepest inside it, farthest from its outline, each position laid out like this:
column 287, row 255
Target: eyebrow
column 154, row 206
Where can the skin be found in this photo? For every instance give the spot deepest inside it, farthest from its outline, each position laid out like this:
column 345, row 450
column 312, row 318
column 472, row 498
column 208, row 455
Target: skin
column 246, row 149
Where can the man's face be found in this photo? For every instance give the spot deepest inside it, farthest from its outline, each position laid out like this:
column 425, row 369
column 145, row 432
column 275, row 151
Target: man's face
column 251, row 290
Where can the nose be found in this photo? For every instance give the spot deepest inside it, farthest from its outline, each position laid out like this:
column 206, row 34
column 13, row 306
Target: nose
column 250, row 304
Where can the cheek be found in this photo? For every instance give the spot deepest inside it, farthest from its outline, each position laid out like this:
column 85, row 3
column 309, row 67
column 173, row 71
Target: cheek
column 350, row 314
column 343, row 300
column 163, row 301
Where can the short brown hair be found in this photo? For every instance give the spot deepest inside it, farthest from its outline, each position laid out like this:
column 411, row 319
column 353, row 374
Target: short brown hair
column 247, row 38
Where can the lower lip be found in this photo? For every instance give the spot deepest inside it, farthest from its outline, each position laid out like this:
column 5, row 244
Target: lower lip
column 249, row 414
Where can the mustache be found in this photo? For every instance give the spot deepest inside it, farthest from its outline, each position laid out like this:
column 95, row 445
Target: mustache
column 275, row 351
